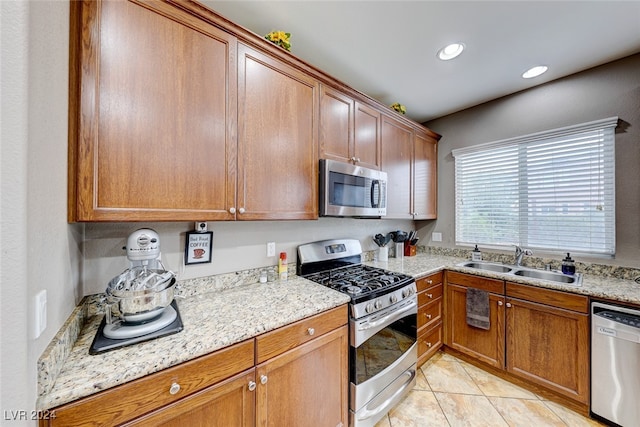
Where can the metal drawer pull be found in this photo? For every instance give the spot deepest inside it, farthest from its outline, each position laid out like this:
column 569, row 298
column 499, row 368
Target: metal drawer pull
column 252, row 385
column 429, row 344
column 508, row 305
column 500, row 303
column 175, row 388
column 430, row 295
column 263, row 379
column 428, row 316
column 430, row 282
column 311, row 331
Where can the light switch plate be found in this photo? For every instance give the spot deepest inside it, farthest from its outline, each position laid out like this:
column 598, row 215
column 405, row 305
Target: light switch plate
column 271, row 249
column 40, row 312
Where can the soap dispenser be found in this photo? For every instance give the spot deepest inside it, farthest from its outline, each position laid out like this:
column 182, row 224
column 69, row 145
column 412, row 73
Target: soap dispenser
column 476, row 255
column 568, row 266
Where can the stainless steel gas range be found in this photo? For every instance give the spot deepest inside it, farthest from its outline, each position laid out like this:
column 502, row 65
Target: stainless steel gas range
column 382, row 325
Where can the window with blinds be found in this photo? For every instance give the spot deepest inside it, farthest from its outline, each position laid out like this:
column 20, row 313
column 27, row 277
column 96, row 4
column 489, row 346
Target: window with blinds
column 551, row 190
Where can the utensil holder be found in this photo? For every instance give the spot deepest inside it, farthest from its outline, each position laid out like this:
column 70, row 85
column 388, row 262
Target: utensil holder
column 409, row 249
column 383, row 254
column 399, row 250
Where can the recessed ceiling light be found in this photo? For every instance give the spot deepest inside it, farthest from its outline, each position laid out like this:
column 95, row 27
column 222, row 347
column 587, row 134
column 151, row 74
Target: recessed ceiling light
column 450, row 51
column 535, row 71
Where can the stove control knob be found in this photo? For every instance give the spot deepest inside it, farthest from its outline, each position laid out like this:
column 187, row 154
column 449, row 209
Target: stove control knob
column 406, row 293
column 378, row 304
column 393, row 299
column 369, row 308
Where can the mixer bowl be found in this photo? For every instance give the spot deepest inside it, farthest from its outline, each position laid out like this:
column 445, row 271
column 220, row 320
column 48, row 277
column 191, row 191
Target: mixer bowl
column 137, row 306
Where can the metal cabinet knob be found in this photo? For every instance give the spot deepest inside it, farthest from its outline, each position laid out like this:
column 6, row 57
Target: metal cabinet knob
column 500, row 303
column 428, row 316
column 429, row 282
column 430, row 295
column 311, row 331
column 252, row 385
column 263, row 379
column 508, row 305
column 232, row 210
column 174, row 389
column 429, row 345
column 241, row 210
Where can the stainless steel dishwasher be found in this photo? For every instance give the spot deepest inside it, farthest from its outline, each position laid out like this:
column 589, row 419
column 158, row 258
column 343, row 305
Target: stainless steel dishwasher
column 615, row 363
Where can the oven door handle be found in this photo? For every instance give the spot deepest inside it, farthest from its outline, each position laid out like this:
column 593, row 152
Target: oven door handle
column 392, row 317
column 411, row 373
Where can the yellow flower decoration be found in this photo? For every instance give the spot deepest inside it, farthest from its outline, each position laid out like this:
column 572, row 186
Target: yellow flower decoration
column 399, row 108
column 280, row 38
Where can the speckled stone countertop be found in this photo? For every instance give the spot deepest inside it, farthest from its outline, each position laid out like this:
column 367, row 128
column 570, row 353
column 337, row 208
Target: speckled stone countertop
column 217, row 313
column 622, row 290
column 211, row 320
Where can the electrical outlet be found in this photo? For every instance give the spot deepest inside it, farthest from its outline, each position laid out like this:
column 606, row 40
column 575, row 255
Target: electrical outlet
column 271, row 249
column 41, row 313
column 436, row 236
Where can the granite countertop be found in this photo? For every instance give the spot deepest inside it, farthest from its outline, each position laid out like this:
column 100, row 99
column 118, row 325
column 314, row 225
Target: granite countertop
column 211, row 320
column 216, row 318
column 624, row 291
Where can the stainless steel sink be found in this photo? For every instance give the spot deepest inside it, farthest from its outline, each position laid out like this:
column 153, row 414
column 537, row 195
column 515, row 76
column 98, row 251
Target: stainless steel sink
column 550, row 276
column 498, row 268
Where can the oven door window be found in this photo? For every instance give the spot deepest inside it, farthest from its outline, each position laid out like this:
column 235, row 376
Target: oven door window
column 383, row 349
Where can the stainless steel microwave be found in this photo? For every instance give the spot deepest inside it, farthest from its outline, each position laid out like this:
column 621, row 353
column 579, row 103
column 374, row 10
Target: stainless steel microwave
column 351, row 190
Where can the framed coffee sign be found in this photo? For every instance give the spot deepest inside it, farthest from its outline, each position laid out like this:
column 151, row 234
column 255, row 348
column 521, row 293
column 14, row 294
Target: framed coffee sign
column 198, row 247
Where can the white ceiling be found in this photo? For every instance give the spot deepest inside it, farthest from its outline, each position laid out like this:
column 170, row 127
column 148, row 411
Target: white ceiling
column 387, row 49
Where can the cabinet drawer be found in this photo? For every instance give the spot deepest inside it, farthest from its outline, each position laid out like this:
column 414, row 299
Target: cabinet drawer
column 429, row 295
column 430, row 314
column 490, row 285
column 125, row 402
column 429, row 281
column 277, row 342
column 559, row 299
column 429, row 342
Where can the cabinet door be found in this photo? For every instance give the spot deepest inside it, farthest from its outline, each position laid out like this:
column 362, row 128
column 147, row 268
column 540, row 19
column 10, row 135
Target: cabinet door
column 549, row 346
column 397, row 154
column 152, row 114
column 230, row 403
column 277, row 139
column 485, row 345
column 306, row 386
column 336, row 125
column 367, row 137
column 425, row 177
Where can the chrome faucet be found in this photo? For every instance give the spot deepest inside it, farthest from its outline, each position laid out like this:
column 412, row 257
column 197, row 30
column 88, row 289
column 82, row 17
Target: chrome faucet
column 520, row 252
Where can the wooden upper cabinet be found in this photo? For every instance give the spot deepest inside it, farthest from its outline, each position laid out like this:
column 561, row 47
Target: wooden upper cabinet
column 277, row 139
column 397, row 156
column 367, row 137
column 336, row 125
column 152, row 114
column 425, row 176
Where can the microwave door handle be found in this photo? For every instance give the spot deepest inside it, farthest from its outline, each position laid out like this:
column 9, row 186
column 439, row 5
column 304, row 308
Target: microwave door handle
column 375, row 204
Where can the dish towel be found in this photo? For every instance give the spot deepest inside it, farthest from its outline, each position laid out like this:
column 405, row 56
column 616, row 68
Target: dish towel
column 478, row 308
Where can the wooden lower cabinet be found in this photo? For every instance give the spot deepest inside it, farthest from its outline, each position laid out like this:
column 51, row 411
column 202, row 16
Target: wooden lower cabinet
column 484, row 345
column 549, row 345
column 304, row 381
column 430, row 310
column 306, row 386
column 536, row 334
column 231, row 403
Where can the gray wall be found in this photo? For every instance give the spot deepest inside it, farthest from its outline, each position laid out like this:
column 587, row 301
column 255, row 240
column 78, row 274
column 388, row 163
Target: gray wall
column 606, row 91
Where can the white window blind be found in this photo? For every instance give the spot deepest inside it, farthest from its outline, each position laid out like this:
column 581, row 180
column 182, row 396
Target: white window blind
column 551, row 190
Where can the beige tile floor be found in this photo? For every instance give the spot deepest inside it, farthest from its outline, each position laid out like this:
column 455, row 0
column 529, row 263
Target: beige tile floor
column 451, row 392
